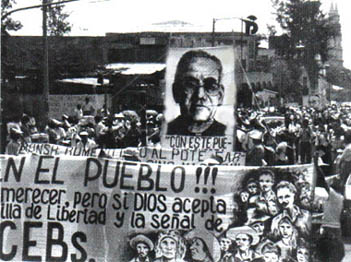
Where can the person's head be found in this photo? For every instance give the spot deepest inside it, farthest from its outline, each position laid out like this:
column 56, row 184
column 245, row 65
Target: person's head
column 244, row 237
column 286, row 228
column 171, row 245
column 79, row 106
column 225, row 243
column 266, row 180
column 243, row 241
column 270, row 252
column 15, row 133
column 197, row 85
column 305, row 122
column 199, row 250
column 142, row 249
column 302, row 253
column 286, row 194
column 87, row 100
column 252, row 186
column 259, row 227
column 142, row 244
column 84, row 135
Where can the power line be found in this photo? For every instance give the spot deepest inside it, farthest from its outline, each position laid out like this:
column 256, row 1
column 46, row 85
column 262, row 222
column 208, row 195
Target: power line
column 35, row 6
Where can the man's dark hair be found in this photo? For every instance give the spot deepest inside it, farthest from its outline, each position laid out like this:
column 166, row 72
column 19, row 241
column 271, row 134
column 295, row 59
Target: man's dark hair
column 189, row 56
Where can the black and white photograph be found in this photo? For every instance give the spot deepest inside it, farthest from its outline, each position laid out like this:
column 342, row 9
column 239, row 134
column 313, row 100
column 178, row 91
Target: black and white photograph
column 175, row 131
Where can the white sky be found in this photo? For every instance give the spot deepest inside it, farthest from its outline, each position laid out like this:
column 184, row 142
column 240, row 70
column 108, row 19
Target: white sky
column 96, row 17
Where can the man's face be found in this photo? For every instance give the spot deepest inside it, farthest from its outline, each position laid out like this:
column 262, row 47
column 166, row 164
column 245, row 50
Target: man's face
column 285, row 197
column 197, row 250
column 243, row 241
column 266, row 182
column 225, row 243
column 201, row 90
column 142, row 249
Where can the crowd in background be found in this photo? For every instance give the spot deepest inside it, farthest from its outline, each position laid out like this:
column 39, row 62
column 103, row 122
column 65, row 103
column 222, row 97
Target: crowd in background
column 269, row 137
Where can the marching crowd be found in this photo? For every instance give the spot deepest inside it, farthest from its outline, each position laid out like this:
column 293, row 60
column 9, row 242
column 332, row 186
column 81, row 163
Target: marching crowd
column 269, row 137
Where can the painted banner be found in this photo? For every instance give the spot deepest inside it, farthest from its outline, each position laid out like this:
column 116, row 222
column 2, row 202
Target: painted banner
column 64, row 208
column 200, row 95
column 144, row 154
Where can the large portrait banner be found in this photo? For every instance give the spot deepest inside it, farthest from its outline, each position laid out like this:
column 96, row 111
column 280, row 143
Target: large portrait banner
column 199, row 99
column 65, row 208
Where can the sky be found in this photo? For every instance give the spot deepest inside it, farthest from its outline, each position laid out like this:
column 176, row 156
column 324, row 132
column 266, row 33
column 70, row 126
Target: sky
column 98, row 17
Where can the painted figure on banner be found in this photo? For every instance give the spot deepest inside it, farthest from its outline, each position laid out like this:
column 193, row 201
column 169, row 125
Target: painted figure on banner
column 170, row 247
column 199, row 93
column 226, row 245
column 202, row 246
column 245, row 238
column 286, row 192
column 266, row 200
column 270, row 253
column 143, row 246
column 274, row 203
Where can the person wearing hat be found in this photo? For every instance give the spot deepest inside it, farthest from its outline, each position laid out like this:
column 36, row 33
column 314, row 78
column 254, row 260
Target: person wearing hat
column 15, row 143
column 259, row 222
column 85, row 143
column 143, row 246
column 55, row 131
column 245, row 238
column 255, row 154
column 170, row 247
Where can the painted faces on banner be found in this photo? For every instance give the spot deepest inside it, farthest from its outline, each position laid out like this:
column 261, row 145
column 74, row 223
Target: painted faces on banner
column 199, row 97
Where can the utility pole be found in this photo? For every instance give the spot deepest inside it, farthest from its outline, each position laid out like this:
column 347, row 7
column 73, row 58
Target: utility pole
column 45, row 63
column 213, row 31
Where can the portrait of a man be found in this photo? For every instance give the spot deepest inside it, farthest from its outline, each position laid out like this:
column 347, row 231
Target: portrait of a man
column 198, row 92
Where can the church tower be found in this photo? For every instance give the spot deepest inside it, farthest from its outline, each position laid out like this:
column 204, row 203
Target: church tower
column 335, row 57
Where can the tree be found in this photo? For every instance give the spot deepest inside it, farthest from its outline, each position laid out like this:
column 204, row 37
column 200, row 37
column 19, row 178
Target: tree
column 57, row 20
column 8, row 24
column 307, row 30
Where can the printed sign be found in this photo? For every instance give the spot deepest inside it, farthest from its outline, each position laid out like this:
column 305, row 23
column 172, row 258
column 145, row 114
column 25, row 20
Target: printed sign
column 200, row 98
column 144, row 154
column 64, row 208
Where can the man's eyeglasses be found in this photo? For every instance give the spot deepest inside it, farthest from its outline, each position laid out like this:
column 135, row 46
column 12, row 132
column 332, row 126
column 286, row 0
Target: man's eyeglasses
column 210, row 86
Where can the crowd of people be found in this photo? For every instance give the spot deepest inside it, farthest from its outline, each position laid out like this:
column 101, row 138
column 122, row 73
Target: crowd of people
column 87, row 129
column 269, row 137
column 290, row 137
